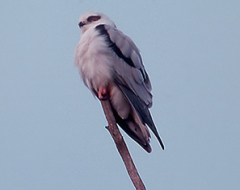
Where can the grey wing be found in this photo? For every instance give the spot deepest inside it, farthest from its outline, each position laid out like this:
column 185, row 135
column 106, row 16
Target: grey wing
column 131, row 76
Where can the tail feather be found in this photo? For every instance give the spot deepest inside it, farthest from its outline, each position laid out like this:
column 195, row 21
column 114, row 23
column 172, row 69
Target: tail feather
column 135, row 131
column 142, row 111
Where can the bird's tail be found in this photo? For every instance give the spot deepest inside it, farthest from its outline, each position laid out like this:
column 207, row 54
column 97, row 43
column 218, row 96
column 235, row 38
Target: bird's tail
column 142, row 111
column 135, row 129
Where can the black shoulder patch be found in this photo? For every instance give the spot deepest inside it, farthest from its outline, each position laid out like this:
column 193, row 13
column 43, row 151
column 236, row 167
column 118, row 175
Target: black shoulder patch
column 102, row 31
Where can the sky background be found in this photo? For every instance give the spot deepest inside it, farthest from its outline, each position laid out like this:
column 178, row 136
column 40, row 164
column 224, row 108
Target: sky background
column 52, row 133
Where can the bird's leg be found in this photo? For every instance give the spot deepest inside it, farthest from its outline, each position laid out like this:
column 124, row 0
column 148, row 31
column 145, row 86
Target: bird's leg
column 102, row 93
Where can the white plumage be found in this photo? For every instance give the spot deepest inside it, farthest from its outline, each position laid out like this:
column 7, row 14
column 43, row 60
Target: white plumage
column 111, row 67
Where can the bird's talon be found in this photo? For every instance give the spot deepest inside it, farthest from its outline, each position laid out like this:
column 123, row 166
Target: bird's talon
column 102, row 94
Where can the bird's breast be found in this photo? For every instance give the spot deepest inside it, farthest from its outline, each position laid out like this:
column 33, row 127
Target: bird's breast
column 94, row 61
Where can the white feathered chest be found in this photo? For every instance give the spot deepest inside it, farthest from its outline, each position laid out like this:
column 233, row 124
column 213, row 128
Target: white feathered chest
column 94, row 59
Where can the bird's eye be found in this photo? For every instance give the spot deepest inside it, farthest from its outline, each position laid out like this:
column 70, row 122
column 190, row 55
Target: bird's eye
column 93, row 18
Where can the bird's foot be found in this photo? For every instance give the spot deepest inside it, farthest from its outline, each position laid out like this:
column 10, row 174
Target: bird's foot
column 102, row 94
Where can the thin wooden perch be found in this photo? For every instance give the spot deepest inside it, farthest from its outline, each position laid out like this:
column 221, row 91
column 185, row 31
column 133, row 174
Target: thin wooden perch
column 121, row 146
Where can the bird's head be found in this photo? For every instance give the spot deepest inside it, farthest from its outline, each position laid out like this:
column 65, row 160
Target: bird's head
column 92, row 19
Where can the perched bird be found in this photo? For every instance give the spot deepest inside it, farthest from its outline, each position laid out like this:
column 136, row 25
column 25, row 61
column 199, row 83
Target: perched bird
column 111, row 67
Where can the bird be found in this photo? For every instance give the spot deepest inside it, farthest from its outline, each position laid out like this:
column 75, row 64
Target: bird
column 111, row 66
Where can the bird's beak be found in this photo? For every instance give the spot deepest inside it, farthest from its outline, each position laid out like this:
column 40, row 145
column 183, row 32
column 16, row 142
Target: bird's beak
column 81, row 24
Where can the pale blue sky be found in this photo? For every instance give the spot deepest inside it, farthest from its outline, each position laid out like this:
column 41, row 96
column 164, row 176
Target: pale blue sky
column 52, row 133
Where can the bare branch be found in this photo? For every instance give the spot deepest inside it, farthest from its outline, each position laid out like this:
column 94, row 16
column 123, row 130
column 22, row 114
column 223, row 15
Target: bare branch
column 121, row 146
